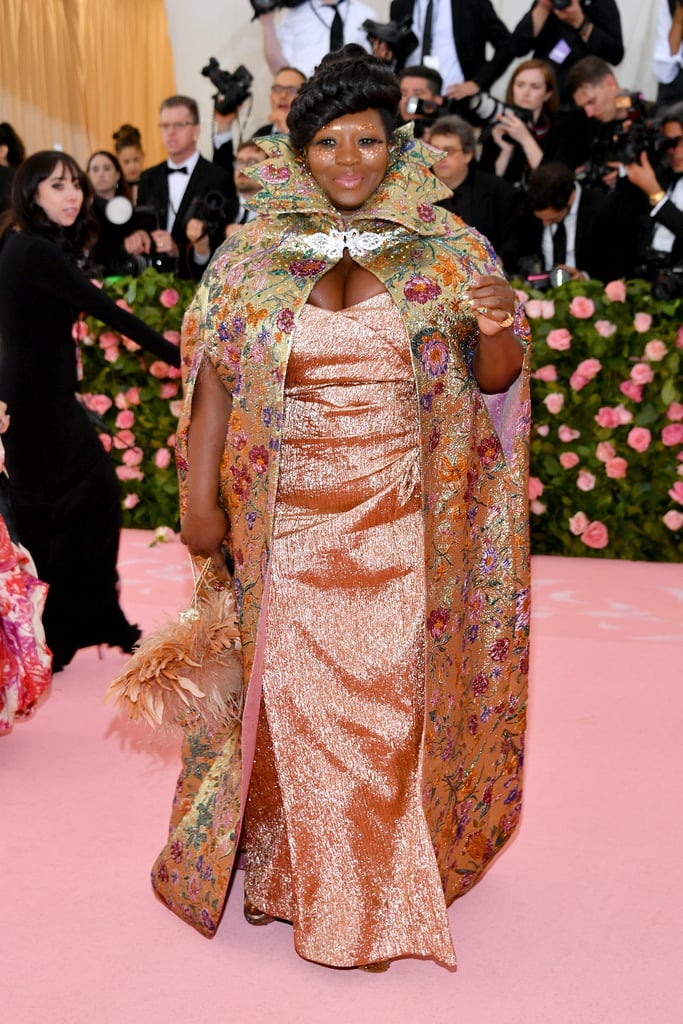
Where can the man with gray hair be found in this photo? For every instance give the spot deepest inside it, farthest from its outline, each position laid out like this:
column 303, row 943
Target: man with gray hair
column 484, row 201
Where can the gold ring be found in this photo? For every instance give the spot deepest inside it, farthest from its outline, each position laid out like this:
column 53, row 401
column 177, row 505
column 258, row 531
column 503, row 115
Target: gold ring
column 507, row 320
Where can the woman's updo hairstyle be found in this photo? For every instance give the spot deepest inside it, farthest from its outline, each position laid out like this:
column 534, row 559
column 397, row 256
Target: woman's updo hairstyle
column 343, row 83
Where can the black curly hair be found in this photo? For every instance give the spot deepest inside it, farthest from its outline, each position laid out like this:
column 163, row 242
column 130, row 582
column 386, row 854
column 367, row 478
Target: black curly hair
column 343, row 83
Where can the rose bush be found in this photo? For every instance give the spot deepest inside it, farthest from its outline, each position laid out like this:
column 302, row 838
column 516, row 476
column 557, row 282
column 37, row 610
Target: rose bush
column 610, row 464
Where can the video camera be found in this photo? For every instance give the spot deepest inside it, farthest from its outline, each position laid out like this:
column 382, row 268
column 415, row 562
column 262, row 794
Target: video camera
column 233, row 89
column 398, row 36
column 120, row 211
column 266, row 6
column 633, row 133
column 666, row 275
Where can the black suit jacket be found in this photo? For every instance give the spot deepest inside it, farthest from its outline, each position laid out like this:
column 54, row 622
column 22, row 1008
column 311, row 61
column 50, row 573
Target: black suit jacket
column 206, row 178
column 475, row 23
column 492, row 206
column 604, row 41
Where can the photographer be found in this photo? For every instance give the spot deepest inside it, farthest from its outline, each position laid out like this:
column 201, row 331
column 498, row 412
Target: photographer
column 169, row 189
column 564, row 31
column 392, row 42
column 667, row 55
column 663, row 223
column 421, row 99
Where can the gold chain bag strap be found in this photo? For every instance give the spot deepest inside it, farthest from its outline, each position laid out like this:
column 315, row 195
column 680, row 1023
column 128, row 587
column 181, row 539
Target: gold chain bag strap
column 188, row 672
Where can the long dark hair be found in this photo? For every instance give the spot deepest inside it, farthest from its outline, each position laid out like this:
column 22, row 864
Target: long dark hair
column 122, row 186
column 27, row 215
column 15, row 147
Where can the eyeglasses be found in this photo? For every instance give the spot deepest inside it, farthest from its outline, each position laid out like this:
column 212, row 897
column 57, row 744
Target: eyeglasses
column 291, row 90
column 239, row 164
column 174, row 125
column 450, row 150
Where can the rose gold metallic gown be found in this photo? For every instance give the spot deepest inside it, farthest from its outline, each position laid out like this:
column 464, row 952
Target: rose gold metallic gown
column 337, row 841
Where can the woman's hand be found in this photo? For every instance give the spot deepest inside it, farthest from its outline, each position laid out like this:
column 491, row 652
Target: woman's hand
column 493, row 300
column 203, row 532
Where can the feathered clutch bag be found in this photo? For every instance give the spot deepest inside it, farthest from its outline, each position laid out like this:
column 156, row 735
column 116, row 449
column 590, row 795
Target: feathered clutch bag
column 188, row 672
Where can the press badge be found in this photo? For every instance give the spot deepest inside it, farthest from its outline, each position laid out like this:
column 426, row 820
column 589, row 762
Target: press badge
column 560, row 52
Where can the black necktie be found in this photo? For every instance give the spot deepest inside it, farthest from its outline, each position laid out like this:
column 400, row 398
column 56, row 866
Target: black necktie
column 560, row 244
column 427, row 32
column 176, row 170
column 337, row 28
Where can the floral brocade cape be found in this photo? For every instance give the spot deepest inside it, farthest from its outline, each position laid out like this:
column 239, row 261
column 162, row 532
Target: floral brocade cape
column 474, row 455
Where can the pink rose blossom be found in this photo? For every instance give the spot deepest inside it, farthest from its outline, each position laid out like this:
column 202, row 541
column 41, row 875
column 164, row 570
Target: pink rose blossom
column 132, row 457
column 535, row 488
column 120, row 401
column 623, row 415
column 547, row 309
column 616, row 468
column 170, row 440
column 129, row 473
column 553, row 402
column 133, row 396
column 679, row 338
column 533, row 309
column 79, row 331
column 130, row 345
column 676, row 492
column 131, row 500
column 124, row 439
column 672, row 435
column 595, row 535
column 159, row 369
column 168, row 390
column 585, row 480
column 568, row 460
column 605, row 451
column 578, row 381
column 639, row 439
column 560, row 339
column 675, row 411
column 108, row 339
column 106, row 441
column 174, row 373
column 631, row 390
column 98, row 403
column 655, row 350
column 673, row 519
column 124, row 305
column 578, row 523
column 605, row 328
column 176, row 407
column 547, row 373
column 642, row 322
column 606, row 417
column 581, row 307
column 641, row 373
column 169, row 298
column 520, row 295
column 567, row 434
column 125, row 419
column 537, row 507
column 111, row 354
column 172, row 336
column 616, row 291
column 589, row 368
column 543, row 429
column 162, row 458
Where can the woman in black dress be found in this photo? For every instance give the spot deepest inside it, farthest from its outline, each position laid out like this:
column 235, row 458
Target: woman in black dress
column 107, row 179
column 64, row 487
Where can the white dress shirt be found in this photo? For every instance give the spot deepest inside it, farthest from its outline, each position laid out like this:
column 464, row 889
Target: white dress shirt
column 663, row 239
column 444, row 56
column 177, row 183
column 665, row 66
column 570, row 228
column 304, row 32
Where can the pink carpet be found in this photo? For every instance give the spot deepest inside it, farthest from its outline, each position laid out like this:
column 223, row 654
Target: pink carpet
column 579, row 921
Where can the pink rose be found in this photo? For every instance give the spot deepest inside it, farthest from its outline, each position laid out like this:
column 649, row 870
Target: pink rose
column 672, row 435
column 168, row 298
column 172, row 336
column 567, row 434
column 538, row 508
column 622, row 414
column 543, row 429
column 106, row 441
column 578, row 381
column 585, row 480
column 547, row 373
column 521, row 296
column 108, row 339
column 631, row 390
column 533, row 309
column 124, row 439
column 535, row 488
column 176, row 407
column 675, row 411
column 679, row 338
column 170, row 440
column 676, row 492
column 605, row 451
column 642, row 322
column 124, row 305
column 595, row 535
column 639, row 439
column 159, row 369
column 129, row 473
column 133, row 396
column 589, row 368
column 578, row 523
column 581, row 307
column 98, row 403
column 168, row 390
column 616, row 291
column 130, row 345
column 560, row 339
column 174, row 373
column 132, row 457
column 568, row 460
column 605, row 328
column 616, row 468
column 162, row 458
column 547, row 309
column 641, row 373
column 673, row 519
column 111, row 354
column 79, row 331
column 131, row 500
column 655, row 350
column 125, row 419
column 554, row 402
column 606, row 417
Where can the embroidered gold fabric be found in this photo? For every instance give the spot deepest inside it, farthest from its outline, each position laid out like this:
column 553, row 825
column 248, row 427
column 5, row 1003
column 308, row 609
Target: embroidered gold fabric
column 337, row 840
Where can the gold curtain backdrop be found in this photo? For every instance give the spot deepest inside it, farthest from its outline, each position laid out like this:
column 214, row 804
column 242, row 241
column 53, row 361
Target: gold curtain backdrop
column 73, row 71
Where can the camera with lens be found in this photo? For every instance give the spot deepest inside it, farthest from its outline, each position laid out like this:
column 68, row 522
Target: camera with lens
column 266, row 6
column 560, row 5
column 533, row 272
column 397, row 35
column 624, row 140
column 140, row 218
column 233, row 89
column 666, row 275
column 211, row 209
